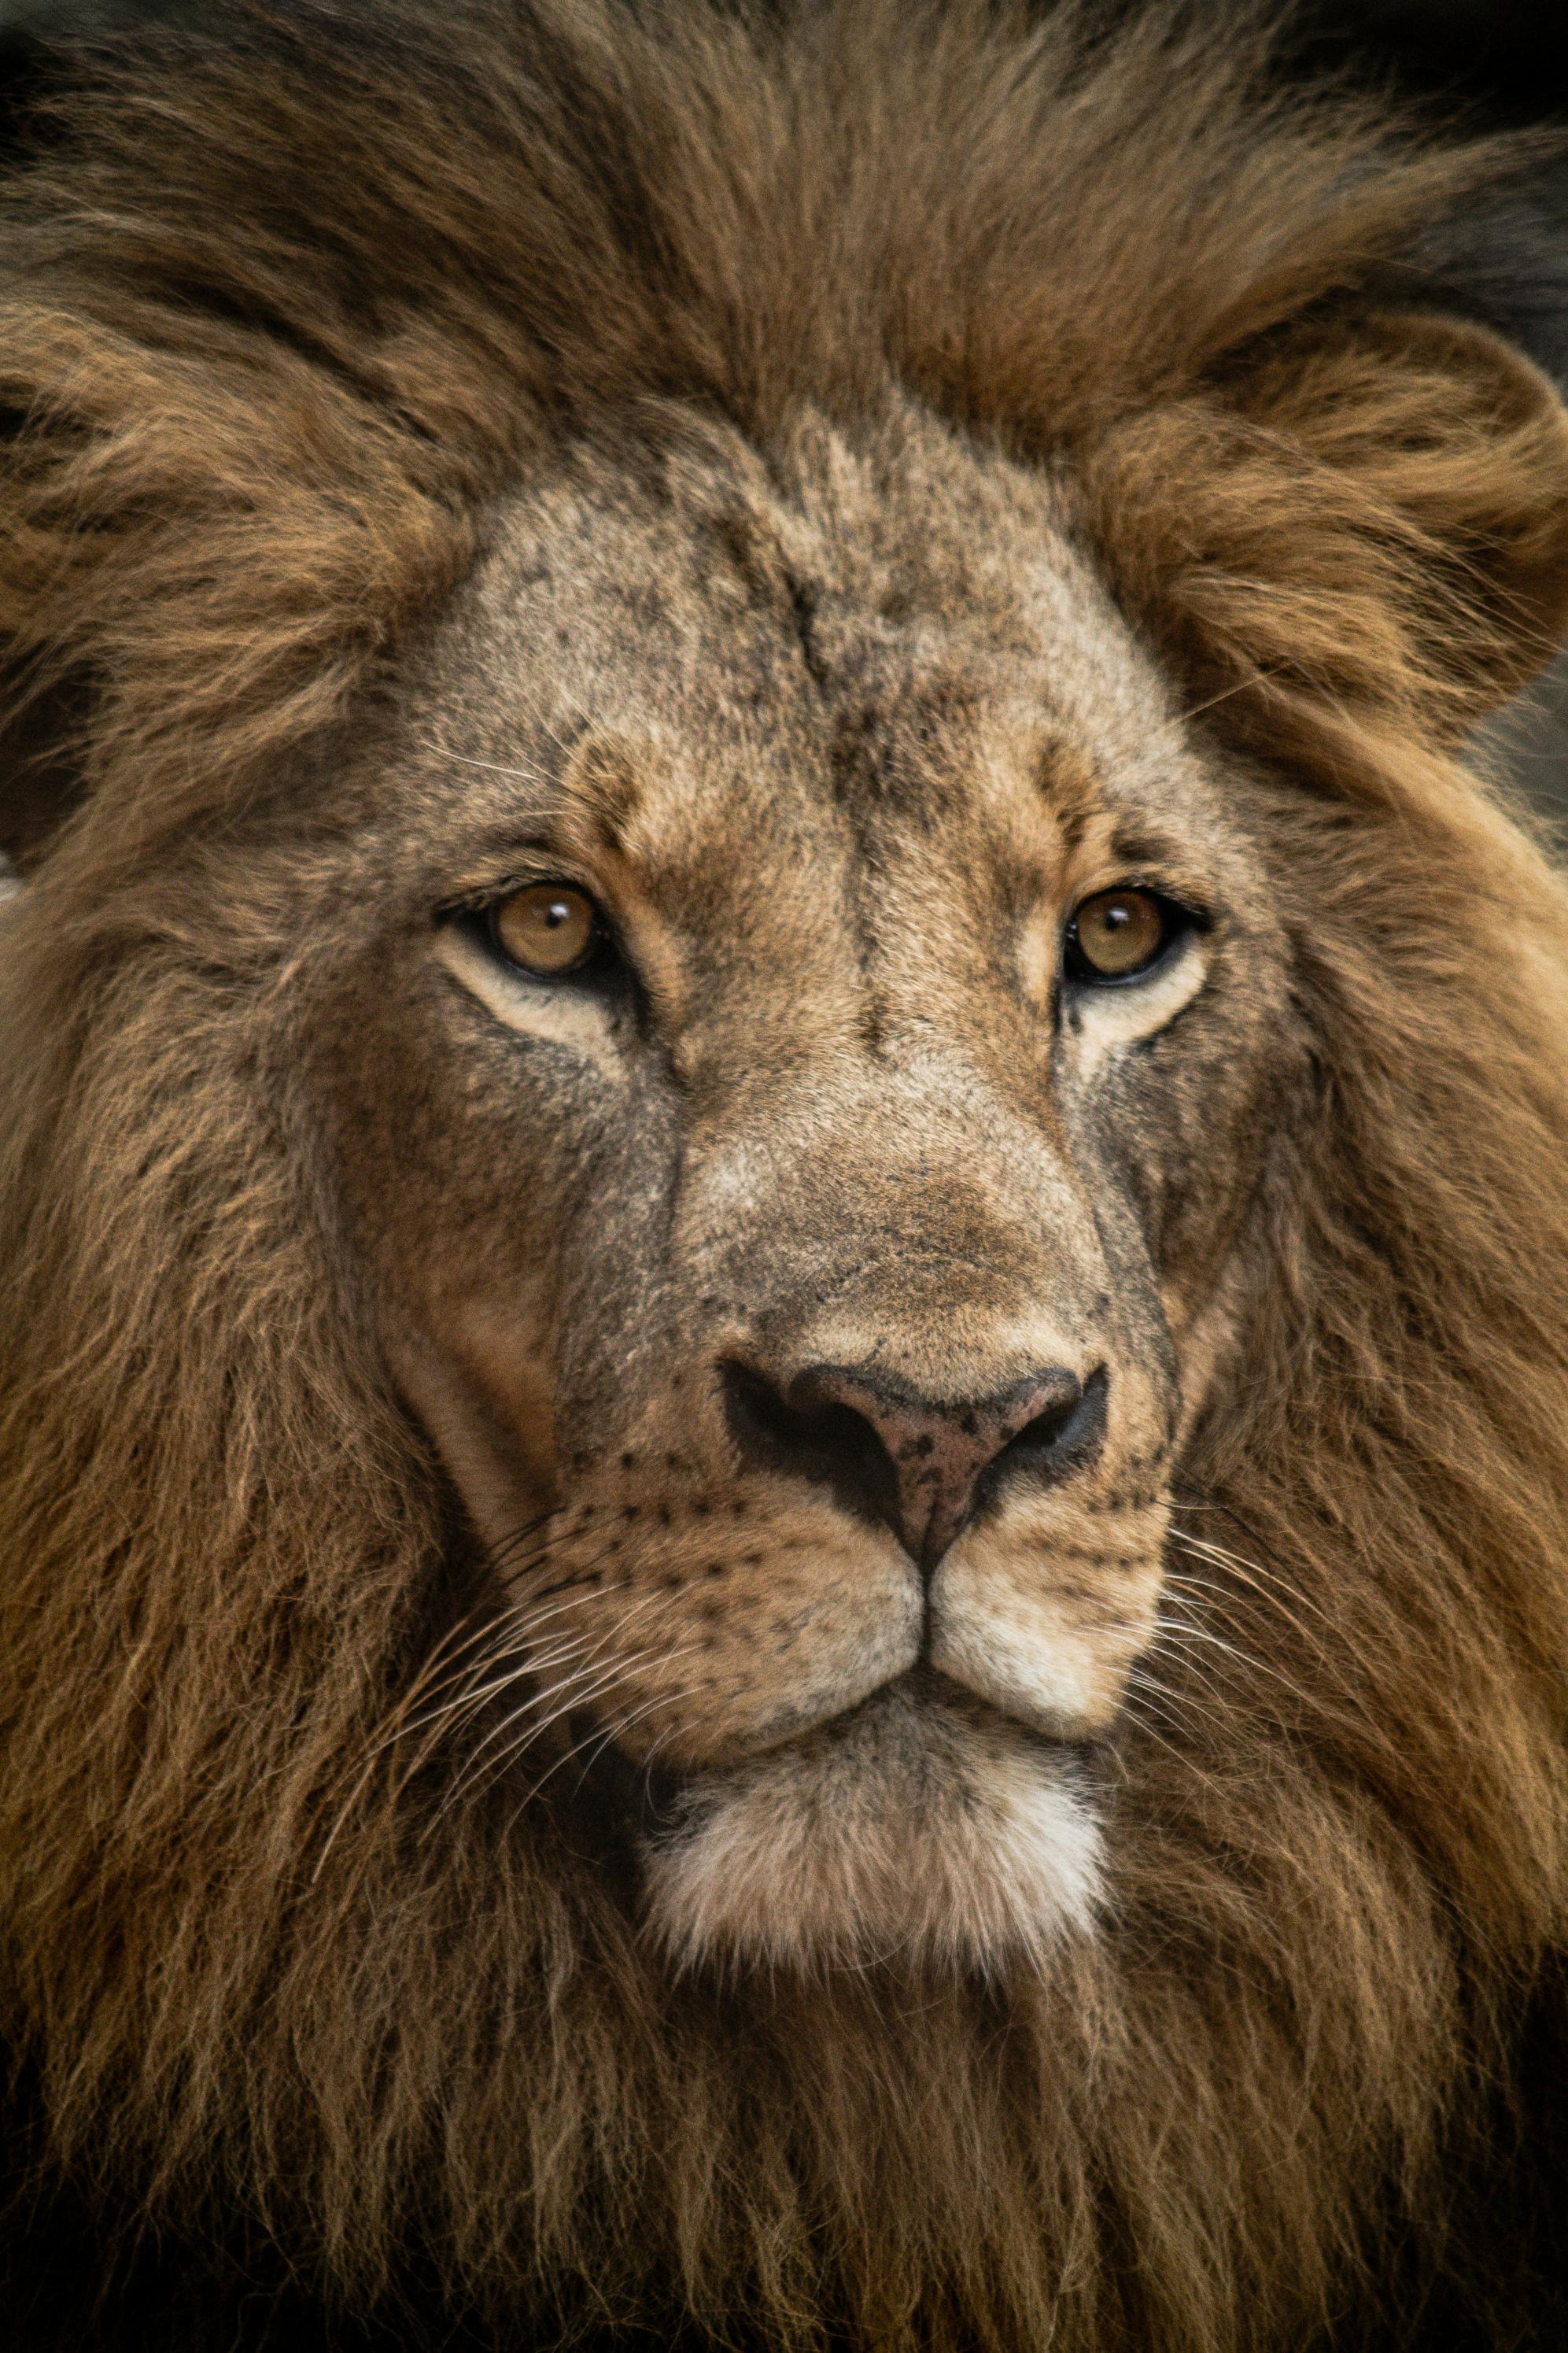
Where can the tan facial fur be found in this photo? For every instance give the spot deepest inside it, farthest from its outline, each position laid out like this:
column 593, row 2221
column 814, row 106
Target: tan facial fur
column 836, row 1104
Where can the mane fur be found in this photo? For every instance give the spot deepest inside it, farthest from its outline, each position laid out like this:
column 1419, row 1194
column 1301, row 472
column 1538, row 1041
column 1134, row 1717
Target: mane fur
column 280, row 321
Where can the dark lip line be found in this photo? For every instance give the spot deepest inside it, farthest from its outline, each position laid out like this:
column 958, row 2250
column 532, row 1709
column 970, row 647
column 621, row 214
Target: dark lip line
column 651, row 1797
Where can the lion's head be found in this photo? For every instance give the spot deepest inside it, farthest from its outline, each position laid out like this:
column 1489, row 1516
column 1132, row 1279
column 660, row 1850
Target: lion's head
column 786, row 1251
column 784, row 1471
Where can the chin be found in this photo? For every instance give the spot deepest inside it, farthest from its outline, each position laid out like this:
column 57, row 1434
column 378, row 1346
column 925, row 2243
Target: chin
column 921, row 1826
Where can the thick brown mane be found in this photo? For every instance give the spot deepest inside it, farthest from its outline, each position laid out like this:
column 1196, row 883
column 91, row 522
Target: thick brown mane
column 281, row 320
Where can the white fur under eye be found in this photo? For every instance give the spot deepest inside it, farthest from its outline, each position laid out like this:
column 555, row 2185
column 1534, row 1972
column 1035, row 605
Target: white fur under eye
column 568, row 1016
column 1100, row 1022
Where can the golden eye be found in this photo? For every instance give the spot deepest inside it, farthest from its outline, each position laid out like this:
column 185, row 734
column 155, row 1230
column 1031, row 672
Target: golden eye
column 550, row 929
column 1118, row 934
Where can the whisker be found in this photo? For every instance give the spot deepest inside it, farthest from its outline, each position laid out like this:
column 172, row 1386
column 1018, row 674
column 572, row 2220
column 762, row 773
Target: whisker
column 1273, row 1577
column 1139, row 1719
column 576, row 1694
column 442, row 1717
column 577, row 1577
column 1204, row 1501
column 521, row 1535
column 481, row 1685
column 1253, row 678
column 525, row 1641
column 1183, row 1707
column 1189, row 1632
column 624, row 1724
column 496, row 768
column 579, row 1698
column 527, row 1665
column 600, row 1740
column 1182, row 1713
column 1268, row 1589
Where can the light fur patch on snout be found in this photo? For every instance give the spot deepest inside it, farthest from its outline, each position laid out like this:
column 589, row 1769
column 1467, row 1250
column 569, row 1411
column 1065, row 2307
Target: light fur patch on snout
column 915, row 1828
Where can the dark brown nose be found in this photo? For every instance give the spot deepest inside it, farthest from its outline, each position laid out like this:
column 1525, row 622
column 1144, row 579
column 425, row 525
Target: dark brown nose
column 920, row 1464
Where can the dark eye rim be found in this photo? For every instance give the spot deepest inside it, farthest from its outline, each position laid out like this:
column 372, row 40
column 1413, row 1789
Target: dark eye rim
column 1180, row 922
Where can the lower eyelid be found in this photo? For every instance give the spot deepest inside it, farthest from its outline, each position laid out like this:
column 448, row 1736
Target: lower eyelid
column 1157, row 995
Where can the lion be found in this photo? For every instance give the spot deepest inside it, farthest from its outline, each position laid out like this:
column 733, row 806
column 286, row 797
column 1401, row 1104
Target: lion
column 784, row 1435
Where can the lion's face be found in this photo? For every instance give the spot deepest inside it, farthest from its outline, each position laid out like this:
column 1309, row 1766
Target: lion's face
column 807, row 1283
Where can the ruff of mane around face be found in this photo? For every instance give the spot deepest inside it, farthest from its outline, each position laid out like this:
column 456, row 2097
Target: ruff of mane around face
column 784, row 1470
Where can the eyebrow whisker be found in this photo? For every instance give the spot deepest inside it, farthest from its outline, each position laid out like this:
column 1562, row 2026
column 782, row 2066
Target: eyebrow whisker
column 496, row 768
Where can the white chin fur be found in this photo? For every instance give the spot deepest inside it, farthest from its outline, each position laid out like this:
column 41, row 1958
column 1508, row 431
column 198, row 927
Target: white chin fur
column 914, row 1828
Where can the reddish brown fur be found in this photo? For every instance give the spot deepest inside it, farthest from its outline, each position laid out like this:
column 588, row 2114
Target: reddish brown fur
column 281, row 325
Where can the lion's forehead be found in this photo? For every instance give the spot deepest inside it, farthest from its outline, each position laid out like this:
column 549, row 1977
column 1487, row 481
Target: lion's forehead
column 866, row 658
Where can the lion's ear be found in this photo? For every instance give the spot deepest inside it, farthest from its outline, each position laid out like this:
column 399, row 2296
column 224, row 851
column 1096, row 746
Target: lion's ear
column 1371, row 514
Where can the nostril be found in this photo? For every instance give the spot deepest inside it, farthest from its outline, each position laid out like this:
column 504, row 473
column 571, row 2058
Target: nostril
column 1062, row 1438
column 811, row 1434
column 1048, row 1427
column 754, row 1408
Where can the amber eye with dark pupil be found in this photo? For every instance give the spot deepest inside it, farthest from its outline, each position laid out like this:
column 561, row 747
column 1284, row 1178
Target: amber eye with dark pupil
column 1116, row 935
column 548, row 928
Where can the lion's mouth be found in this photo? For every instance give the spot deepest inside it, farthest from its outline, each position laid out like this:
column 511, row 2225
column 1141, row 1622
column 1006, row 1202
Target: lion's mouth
column 922, row 1819
column 921, row 1823
column 651, row 1797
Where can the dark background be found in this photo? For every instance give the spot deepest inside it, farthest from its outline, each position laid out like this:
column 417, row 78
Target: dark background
column 1487, row 62
column 1505, row 53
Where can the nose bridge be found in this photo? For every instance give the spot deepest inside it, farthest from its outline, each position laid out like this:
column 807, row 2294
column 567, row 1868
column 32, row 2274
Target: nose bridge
column 903, row 1213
